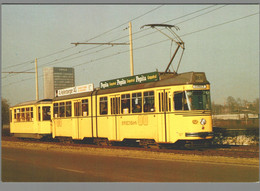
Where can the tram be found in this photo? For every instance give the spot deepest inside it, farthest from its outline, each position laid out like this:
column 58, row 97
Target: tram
column 31, row 119
column 163, row 108
column 151, row 108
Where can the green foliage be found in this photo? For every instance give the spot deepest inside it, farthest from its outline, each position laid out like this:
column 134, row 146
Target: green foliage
column 5, row 111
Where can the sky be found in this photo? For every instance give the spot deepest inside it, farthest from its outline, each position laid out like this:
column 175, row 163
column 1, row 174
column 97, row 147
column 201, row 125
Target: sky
column 220, row 40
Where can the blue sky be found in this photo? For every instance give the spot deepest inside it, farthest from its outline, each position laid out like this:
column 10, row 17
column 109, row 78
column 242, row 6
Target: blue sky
column 220, row 40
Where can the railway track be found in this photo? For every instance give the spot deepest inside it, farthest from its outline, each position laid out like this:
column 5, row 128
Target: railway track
column 251, row 151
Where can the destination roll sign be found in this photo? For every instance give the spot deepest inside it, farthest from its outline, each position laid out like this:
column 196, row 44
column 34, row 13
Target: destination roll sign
column 131, row 80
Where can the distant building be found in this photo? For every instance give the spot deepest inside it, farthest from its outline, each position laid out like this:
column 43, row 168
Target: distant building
column 56, row 78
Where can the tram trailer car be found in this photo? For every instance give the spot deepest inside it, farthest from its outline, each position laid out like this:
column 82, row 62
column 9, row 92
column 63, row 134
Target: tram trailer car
column 31, row 119
column 176, row 107
column 170, row 108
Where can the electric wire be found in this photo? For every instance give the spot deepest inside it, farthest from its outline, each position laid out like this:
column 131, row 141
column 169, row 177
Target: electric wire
column 50, row 63
column 227, row 22
column 167, row 39
column 221, row 24
column 63, row 50
column 124, row 23
column 182, row 21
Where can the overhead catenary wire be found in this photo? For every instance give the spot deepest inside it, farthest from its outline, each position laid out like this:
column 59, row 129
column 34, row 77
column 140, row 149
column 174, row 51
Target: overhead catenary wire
column 194, row 12
column 167, row 21
column 124, row 23
column 57, row 60
column 167, row 39
column 220, row 24
column 210, row 27
column 31, row 78
column 182, row 21
column 63, row 50
column 32, row 61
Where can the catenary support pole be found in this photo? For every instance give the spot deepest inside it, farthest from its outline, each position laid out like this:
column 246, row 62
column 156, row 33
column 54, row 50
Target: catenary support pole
column 36, row 80
column 131, row 50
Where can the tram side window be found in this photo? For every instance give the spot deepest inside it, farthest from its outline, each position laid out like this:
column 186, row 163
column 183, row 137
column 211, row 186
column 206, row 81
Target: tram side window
column 56, row 110
column 103, row 105
column 15, row 115
column 31, row 113
column 22, row 114
column 180, row 102
column 27, row 114
column 136, row 102
column 46, row 111
column 77, row 106
column 166, row 102
column 149, row 101
column 68, row 109
column 18, row 115
column 115, row 105
column 62, row 109
column 169, row 101
column 39, row 113
column 125, row 104
column 84, row 107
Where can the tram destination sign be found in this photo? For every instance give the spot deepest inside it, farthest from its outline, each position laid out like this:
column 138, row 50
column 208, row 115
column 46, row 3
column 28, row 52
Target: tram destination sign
column 75, row 90
column 131, row 80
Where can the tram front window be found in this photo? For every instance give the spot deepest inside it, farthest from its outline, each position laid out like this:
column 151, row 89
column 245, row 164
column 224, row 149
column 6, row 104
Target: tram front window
column 198, row 99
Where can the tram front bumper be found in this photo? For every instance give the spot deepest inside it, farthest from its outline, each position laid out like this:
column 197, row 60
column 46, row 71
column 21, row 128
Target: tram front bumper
column 199, row 134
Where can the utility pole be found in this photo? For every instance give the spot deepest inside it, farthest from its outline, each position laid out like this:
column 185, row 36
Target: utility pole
column 112, row 44
column 36, row 80
column 131, row 49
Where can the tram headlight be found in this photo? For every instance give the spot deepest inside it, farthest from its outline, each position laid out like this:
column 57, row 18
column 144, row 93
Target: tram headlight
column 203, row 121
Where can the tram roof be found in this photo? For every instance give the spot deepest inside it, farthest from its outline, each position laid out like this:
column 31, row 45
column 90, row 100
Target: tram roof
column 33, row 102
column 165, row 79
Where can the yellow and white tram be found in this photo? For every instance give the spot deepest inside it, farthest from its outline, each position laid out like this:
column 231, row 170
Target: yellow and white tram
column 31, row 119
column 148, row 108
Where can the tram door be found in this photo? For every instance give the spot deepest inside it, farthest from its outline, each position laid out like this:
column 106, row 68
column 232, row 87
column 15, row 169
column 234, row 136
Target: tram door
column 164, row 107
column 115, row 111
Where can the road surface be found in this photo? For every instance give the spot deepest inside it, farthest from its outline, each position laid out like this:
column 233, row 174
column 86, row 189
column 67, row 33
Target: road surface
column 24, row 165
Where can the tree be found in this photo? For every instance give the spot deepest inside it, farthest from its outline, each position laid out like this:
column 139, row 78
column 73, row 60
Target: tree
column 256, row 105
column 232, row 104
column 5, row 111
column 236, row 106
column 245, row 104
column 239, row 105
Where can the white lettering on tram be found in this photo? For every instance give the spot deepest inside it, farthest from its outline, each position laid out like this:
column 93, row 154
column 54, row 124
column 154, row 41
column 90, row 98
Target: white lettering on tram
column 121, row 82
column 140, row 79
column 104, row 85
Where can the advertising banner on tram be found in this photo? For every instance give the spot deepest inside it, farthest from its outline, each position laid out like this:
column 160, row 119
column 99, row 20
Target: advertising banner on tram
column 131, row 80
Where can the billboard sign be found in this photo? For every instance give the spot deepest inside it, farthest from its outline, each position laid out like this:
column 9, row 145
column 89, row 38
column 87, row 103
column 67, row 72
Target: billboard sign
column 75, row 90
